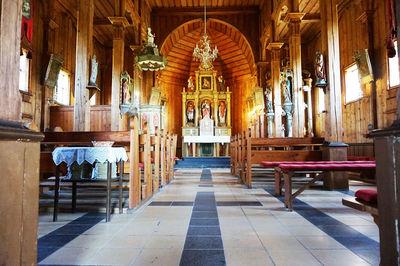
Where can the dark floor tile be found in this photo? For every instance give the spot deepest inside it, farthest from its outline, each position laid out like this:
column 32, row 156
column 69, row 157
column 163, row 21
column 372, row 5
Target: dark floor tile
column 357, row 243
column 161, row 203
column 340, row 230
column 206, row 185
column 50, row 241
column 204, row 231
column 204, row 214
column 227, row 203
column 203, row 258
column 88, row 220
column 44, row 252
column 204, row 208
column 72, row 229
column 250, row 203
column 203, row 242
column 182, row 203
column 209, row 221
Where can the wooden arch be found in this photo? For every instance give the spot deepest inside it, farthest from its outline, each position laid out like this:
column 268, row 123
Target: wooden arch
column 235, row 57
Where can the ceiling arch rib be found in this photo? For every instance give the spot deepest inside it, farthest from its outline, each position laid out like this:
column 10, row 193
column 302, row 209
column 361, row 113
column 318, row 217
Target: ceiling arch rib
column 235, row 57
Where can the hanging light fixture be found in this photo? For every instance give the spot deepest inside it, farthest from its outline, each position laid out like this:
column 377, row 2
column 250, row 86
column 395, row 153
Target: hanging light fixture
column 150, row 59
column 203, row 52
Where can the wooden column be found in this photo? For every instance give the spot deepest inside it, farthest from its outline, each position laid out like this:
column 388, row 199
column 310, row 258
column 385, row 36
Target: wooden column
column 333, row 99
column 119, row 24
column 275, row 76
column 10, row 38
column 84, row 48
column 294, row 20
column 330, row 50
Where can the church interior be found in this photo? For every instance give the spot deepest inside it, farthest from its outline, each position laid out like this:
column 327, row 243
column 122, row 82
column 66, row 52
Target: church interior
column 199, row 132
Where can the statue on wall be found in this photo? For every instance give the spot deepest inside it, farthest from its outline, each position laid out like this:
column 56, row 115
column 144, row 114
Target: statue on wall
column 205, row 109
column 190, row 112
column 150, row 36
column 320, row 70
column 93, row 71
column 190, row 84
column 268, row 92
column 222, row 112
column 286, row 85
column 126, row 88
column 221, row 83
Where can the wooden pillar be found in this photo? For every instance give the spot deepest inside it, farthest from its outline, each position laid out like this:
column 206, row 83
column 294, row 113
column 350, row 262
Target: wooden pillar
column 275, row 76
column 333, row 98
column 294, row 20
column 10, row 38
column 84, row 48
column 330, row 50
column 119, row 24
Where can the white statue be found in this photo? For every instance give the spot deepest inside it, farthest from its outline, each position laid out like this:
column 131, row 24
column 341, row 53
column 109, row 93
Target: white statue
column 93, row 72
column 150, row 36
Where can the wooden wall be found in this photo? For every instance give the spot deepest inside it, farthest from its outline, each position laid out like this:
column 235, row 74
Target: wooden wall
column 63, row 116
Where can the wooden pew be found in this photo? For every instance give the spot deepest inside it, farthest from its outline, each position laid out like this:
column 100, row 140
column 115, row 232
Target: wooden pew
column 253, row 151
column 371, row 208
column 278, row 176
column 287, row 170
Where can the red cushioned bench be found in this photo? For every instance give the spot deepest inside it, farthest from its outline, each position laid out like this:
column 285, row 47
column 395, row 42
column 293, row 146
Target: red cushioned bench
column 278, row 179
column 365, row 200
column 287, row 170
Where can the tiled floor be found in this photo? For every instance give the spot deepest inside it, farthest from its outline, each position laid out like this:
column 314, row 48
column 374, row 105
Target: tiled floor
column 211, row 219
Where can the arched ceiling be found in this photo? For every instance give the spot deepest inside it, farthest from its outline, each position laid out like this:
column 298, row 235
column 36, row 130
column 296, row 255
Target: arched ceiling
column 235, row 57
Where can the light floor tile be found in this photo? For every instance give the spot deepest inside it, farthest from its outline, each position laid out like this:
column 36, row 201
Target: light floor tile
column 161, row 257
column 159, row 241
column 293, row 257
column 71, row 256
column 127, row 241
column 338, row 257
column 281, row 243
column 320, row 242
column 248, row 257
column 114, row 256
column 88, row 241
column 240, row 241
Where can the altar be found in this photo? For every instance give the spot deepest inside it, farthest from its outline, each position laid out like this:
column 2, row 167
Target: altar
column 206, row 114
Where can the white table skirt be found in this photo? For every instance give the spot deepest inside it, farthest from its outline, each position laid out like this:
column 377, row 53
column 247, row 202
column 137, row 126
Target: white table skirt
column 207, row 139
column 89, row 154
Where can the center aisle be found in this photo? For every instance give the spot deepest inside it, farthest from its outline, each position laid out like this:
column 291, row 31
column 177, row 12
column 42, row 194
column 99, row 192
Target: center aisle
column 206, row 217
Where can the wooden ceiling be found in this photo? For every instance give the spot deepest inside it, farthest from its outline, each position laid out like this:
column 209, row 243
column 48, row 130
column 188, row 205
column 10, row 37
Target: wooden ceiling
column 200, row 3
column 235, row 57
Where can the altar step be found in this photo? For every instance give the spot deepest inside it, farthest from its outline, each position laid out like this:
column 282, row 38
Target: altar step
column 204, row 162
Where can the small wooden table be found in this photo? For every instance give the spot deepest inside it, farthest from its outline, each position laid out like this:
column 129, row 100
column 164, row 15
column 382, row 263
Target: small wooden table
column 69, row 155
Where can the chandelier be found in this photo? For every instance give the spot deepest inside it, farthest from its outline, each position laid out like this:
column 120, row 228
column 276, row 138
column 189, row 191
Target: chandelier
column 203, row 52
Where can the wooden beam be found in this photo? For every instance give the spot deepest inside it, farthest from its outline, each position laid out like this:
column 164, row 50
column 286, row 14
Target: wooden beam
column 200, row 11
column 308, row 18
column 84, row 49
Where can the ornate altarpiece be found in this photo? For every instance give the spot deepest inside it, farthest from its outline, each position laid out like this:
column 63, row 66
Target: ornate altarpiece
column 208, row 99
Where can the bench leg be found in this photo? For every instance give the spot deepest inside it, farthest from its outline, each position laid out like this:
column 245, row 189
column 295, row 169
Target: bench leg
column 287, row 178
column 121, row 172
column 56, row 195
column 108, row 198
column 278, row 189
column 74, row 196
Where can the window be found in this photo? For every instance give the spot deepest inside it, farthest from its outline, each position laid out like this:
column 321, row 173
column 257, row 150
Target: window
column 93, row 99
column 62, row 89
column 23, row 72
column 394, row 73
column 352, row 83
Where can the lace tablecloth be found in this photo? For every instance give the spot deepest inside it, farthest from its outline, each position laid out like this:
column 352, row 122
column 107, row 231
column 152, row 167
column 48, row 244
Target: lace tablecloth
column 89, row 154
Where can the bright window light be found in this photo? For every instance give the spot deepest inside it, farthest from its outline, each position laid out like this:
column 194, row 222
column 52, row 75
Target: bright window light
column 394, row 73
column 23, row 72
column 93, row 99
column 62, row 89
column 353, row 86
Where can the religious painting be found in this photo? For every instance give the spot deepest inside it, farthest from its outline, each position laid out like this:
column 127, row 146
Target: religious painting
column 143, row 121
column 222, row 112
column 205, row 108
column 126, row 88
column 53, row 69
column 190, row 112
column 205, row 82
column 258, row 98
column 364, row 65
